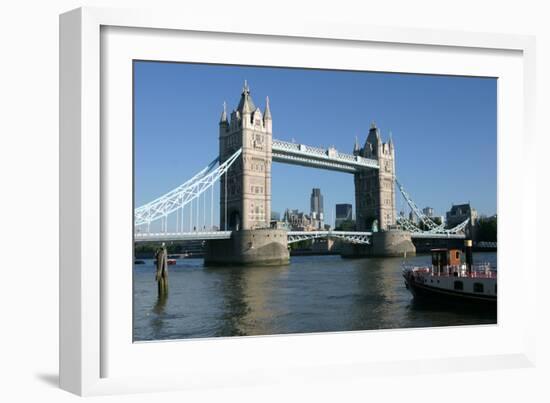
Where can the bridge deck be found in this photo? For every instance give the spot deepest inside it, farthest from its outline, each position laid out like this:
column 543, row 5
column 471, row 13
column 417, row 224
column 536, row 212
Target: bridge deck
column 181, row 236
column 331, row 159
column 209, row 235
column 425, row 235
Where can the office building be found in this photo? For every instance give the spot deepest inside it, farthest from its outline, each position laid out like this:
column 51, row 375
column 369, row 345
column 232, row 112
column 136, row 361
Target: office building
column 343, row 213
column 317, row 215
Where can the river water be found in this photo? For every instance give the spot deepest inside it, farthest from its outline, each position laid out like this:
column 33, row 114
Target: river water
column 311, row 294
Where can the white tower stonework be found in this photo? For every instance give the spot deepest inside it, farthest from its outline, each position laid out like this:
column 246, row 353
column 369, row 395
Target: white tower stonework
column 248, row 187
column 374, row 188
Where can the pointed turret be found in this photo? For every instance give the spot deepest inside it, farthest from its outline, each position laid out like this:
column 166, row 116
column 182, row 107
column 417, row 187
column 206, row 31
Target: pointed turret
column 390, row 142
column 246, row 104
column 223, row 118
column 268, row 120
column 374, row 135
column 373, row 142
column 267, row 114
column 356, row 146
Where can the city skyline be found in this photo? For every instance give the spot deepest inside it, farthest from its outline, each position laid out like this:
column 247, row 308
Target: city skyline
column 177, row 108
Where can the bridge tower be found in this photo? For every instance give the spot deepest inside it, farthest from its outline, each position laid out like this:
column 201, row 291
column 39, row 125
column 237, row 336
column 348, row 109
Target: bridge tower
column 245, row 200
column 374, row 188
column 245, row 195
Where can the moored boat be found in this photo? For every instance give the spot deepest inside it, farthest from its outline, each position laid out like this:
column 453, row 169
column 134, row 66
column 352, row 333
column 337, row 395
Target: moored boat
column 450, row 280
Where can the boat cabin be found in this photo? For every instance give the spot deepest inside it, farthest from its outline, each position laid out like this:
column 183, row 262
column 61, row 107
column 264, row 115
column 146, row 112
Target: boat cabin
column 445, row 258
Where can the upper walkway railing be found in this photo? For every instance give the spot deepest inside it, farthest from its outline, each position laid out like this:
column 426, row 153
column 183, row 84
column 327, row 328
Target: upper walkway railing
column 330, row 158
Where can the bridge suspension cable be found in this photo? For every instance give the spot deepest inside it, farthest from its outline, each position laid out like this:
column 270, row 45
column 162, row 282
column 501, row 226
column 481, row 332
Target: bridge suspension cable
column 433, row 228
column 184, row 194
column 407, row 224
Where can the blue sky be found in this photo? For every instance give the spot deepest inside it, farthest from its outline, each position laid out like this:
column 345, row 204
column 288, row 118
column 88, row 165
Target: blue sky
column 443, row 127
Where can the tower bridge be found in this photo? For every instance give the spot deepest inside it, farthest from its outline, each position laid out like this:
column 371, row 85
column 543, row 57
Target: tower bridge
column 243, row 170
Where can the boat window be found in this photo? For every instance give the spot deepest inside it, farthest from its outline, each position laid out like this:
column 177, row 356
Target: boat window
column 478, row 287
column 459, row 285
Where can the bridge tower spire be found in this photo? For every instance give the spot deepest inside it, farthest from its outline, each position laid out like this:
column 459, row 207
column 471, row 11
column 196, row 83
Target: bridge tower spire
column 374, row 188
column 223, row 118
column 245, row 199
column 267, row 115
column 356, row 147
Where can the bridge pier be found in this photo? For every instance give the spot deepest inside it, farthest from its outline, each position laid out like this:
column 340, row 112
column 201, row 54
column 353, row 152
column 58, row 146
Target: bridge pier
column 249, row 247
column 391, row 243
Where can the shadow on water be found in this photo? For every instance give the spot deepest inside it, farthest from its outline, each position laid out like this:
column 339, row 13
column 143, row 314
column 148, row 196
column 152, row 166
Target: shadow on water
column 160, row 304
column 246, row 305
column 157, row 321
column 234, row 300
column 372, row 306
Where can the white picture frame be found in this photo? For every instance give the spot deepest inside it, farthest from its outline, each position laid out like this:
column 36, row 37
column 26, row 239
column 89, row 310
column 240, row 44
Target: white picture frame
column 96, row 356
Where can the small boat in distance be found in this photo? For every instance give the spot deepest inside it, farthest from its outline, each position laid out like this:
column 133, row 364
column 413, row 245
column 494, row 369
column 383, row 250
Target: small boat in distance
column 450, row 280
column 170, row 262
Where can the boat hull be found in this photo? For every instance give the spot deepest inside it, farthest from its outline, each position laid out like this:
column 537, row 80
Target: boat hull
column 425, row 292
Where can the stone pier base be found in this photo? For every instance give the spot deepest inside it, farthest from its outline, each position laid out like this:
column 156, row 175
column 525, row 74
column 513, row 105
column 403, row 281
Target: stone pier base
column 384, row 244
column 249, row 247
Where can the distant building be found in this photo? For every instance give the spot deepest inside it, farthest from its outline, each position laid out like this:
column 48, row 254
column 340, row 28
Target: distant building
column 275, row 216
column 428, row 211
column 317, row 214
column 296, row 220
column 344, row 212
column 413, row 217
column 458, row 214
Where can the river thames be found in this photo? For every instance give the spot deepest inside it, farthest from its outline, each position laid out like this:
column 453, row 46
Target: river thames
column 311, row 294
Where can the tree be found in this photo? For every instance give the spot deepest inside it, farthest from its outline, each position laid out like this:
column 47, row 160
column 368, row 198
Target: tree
column 424, row 227
column 486, row 229
column 346, row 225
column 305, row 244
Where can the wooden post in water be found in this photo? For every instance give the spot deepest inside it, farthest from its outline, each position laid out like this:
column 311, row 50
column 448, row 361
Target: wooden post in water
column 162, row 270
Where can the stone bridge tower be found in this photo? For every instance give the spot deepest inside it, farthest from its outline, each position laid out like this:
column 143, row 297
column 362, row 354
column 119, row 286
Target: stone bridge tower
column 374, row 188
column 248, row 187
